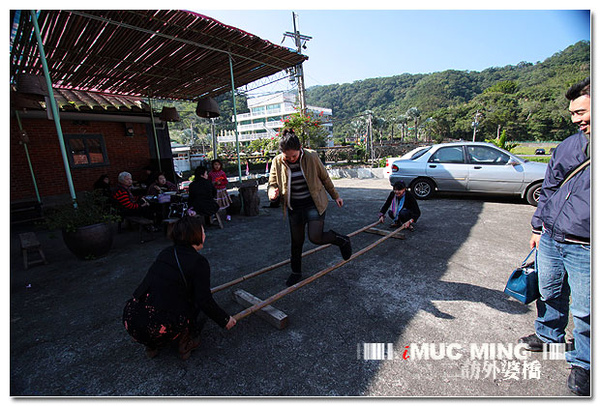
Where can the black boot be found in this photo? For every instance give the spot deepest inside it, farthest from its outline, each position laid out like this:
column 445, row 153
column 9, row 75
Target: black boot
column 579, row 381
column 293, row 278
column 343, row 242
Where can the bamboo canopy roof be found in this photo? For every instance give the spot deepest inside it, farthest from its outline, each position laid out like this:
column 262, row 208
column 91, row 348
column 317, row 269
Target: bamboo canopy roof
column 169, row 54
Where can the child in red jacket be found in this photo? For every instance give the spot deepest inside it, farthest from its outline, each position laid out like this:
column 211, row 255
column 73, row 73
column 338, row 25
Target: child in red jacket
column 218, row 177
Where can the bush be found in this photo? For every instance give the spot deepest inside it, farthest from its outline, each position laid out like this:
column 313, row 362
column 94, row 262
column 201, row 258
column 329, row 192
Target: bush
column 92, row 208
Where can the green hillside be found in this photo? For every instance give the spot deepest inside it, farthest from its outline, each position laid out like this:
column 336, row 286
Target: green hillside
column 526, row 100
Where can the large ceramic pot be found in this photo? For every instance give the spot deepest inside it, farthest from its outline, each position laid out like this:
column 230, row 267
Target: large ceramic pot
column 89, row 242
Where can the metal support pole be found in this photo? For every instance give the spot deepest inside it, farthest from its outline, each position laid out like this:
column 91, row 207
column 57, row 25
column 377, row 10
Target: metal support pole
column 214, row 138
column 370, row 138
column 155, row 134
column 237, row 142
column 54, row 108
column 35, row 187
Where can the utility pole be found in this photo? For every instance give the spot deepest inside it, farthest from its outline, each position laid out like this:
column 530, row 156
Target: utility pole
column 300, row 41
column 370, row 135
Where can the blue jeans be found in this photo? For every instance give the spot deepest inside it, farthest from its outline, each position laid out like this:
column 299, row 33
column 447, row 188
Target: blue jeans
column 563, row 270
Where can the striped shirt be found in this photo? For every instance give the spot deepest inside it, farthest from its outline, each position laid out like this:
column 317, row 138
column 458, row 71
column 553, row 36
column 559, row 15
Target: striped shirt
column 125, row 199
column 300, row 195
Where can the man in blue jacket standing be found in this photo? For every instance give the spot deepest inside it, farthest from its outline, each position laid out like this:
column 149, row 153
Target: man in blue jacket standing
column 561, row 233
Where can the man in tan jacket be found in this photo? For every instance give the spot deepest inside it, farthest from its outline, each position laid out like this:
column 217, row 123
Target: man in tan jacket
column 300, row 179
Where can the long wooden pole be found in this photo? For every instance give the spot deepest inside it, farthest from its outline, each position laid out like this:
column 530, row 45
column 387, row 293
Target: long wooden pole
column 310, row 279
column 282, row 263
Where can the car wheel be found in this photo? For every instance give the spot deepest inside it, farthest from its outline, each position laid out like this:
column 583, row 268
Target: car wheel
column 533, row 194
column 422, row 188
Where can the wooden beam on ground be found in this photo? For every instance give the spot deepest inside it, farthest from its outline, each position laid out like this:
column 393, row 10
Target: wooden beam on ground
column 385, row 232
column 272, row 315
column 256, row 307
column 282, row 263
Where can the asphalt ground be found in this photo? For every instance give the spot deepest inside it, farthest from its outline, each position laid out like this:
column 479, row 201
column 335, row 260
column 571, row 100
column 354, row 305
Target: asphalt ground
column 436, row 297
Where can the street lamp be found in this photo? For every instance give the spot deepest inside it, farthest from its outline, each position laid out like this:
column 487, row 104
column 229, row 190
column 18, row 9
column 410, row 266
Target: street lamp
column 475, row 124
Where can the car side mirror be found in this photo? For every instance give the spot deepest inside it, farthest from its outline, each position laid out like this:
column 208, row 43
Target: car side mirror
column 513, row 162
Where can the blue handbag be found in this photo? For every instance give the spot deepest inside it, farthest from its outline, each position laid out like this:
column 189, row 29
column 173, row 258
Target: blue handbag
column 523, row 282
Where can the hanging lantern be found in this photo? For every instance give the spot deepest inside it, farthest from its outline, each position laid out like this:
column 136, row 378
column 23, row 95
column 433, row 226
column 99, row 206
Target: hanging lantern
column 207, row 108
column 169, row 114
column 32, row 85
column 25, row 101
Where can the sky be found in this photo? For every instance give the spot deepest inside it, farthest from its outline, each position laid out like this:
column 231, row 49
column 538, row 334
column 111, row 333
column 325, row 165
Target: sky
column 350, row 45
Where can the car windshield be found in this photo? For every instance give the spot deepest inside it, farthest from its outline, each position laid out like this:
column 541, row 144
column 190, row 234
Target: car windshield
column 419, row 153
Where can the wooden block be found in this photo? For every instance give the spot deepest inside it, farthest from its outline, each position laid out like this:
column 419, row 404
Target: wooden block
column 274, row 316
column 29, row 241
column 384, row 233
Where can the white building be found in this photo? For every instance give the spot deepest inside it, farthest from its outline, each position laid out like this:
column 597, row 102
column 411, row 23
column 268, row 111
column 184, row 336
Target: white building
column 266, row 118
column 181, row 157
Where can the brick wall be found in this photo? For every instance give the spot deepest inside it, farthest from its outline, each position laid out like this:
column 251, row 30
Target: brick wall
column 124, row 154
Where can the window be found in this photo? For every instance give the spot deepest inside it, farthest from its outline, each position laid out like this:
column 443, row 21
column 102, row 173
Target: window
column 448, row 155
column 273, row 108
column 420, row 153
column 487, row 156
column 258, row 110
column 86, row 150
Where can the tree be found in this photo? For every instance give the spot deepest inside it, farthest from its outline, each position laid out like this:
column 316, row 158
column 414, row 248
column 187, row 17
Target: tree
column 428, row 128
column 506, row 87
column 307, row 127
column 403, row 123
column 503, row 142
column 415, row 115
column 501, row 111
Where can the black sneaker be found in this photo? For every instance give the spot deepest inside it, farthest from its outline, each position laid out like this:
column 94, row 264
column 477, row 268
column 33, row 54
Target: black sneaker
column 533, row 343
column 293, row 279
column 579, row 381
column 346, row 247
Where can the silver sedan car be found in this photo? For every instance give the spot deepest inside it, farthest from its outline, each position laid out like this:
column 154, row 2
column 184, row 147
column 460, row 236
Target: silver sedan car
column 477, row 167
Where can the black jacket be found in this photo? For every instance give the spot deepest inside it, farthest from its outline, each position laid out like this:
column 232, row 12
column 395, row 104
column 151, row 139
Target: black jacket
column 410, row 203
column 168, row 292
column 202, row 196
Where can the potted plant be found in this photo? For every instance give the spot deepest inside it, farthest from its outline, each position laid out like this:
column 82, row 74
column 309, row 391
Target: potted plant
column 86, row 229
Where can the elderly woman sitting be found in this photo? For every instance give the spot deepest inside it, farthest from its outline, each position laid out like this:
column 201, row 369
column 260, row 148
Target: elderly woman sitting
column 127, row 204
